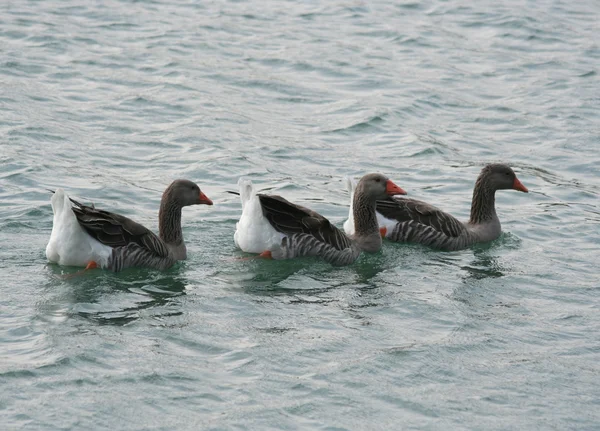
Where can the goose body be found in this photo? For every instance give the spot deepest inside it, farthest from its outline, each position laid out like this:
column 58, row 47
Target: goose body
column 254, row 233
column 69, row 243
column 414, row 221
column 82, row 235
column 272, row 224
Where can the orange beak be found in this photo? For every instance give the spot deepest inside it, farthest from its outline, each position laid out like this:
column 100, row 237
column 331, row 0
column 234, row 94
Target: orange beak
column 204, row 199
column 392, row 189
column 518, row 185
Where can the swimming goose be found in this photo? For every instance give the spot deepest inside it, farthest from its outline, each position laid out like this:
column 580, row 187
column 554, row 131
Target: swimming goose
column 86, row 236
column 413, row 221
column 279, row 229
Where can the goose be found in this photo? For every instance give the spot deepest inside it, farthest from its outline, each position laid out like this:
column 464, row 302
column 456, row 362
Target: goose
column 278, row 229
column 413, row 221
column 85, row 236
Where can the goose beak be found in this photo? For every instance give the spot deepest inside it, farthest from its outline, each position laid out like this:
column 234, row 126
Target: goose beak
column 204, row 199
column 518, row 185
column 392, row 189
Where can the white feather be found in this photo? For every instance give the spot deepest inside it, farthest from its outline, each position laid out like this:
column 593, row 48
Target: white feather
column 69, row 243
column 389, row 224
column 254, row 233
column 349, row 224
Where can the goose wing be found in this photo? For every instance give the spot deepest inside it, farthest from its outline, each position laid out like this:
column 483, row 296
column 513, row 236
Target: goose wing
column 403, row 210
column 289, row 218
column 115, row 230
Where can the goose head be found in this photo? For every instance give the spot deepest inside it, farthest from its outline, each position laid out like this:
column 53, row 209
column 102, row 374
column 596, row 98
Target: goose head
column 185, row 193
column 377, row 187
column 499, row 176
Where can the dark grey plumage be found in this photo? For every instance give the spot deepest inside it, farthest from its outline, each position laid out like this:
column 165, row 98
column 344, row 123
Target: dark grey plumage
column 134, row 245
column 310, row 234
column 307, row 232
column 420, row 222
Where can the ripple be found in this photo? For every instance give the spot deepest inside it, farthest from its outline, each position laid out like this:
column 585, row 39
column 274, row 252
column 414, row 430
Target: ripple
column 25, row 347
column 114, row 100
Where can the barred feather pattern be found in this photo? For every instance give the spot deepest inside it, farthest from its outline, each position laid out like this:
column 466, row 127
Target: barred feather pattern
column 415, row 221
column 301, row 244
column 134, row 256
column 412, row 231
column 483, row 206
column 170, row 223
column 419, row 222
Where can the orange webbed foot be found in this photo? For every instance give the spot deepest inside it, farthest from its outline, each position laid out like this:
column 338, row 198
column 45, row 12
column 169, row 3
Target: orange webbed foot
column 90, row 265
column 266, row 254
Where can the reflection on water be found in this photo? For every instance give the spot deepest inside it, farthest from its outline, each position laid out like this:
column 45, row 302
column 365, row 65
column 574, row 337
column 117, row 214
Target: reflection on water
column 368, row 268
column 484, row 265
column 112, row 298
column 307, row 275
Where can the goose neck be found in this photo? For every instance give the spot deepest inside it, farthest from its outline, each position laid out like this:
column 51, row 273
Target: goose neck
column 483, row 206
column 365, row 218
column 169, row 222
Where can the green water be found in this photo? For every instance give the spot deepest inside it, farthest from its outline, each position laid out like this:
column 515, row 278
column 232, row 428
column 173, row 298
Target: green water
column 114, row 100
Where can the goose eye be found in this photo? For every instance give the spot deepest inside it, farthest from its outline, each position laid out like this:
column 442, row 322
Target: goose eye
column 378, row 180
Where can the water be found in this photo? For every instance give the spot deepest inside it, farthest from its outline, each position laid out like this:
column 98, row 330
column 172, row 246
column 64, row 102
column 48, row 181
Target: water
column 113, row 100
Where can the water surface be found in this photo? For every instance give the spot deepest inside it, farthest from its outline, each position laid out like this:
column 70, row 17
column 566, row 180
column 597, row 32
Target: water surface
column 113, row 100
